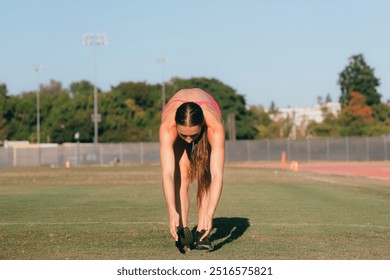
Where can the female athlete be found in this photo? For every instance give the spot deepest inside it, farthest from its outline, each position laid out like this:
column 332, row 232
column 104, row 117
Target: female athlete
column 192, row 142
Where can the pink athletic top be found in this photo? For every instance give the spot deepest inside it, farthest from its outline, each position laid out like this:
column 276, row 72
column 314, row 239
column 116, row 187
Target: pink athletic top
column 213, row 103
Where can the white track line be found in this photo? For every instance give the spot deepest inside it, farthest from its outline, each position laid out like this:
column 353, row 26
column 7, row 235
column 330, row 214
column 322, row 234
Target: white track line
column 82, row 223
column 320, row 225
column 320, row 179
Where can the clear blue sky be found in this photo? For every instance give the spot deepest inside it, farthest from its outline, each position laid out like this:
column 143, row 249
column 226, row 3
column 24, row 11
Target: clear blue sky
column 286, row 51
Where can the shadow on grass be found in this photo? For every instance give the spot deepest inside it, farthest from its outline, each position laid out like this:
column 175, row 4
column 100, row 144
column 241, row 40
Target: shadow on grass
column 226, row 230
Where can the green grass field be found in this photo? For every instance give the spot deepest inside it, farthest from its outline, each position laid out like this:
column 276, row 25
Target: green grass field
column 120, row 213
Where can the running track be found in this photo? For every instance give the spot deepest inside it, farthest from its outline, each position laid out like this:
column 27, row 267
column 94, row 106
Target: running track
column 378, row 170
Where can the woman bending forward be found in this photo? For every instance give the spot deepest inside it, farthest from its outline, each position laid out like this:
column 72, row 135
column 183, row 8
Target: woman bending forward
column 192, row 142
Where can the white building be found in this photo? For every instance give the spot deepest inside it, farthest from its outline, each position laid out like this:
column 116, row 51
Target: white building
column 305, row 115
column 302, row 116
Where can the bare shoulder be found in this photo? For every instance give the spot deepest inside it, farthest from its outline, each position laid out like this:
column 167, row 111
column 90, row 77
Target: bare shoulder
column 215, row 130
column 167, row 132
column 213, row 119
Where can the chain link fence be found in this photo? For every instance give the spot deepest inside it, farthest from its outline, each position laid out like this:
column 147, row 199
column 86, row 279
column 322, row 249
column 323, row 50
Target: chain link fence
column 329, row 149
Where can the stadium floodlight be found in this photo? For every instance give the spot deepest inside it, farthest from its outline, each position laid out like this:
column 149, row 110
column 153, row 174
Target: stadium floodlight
column 36, row 68
column 162, row 60
column 95, row 39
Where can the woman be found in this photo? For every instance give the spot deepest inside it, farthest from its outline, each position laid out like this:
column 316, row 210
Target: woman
column 191, row 148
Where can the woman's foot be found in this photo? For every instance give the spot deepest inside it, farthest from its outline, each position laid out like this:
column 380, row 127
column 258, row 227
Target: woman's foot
column 205, row 244
column 186, row 241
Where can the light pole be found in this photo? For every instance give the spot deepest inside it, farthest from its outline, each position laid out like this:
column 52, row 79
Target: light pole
column 95, row 39
column 36, row 68
column 162, row 60
column 77, row 138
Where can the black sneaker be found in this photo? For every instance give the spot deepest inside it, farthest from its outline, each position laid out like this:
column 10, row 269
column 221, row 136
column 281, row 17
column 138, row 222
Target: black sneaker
column 205, row 244
column 185, row 242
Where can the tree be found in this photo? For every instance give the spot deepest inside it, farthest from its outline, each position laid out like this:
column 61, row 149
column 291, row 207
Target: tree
column 329, row 127
column 357, row 109
column 358, row 76
column 21, row 113
column 82, row 105
column 57, row 123
column 3, row 107
column 139, row 106
column 382, row 113
column 262, row 121
column 130, row 111
column 356, row 116
column 328, row 98
column 82, row 87
column 273, row 110
column 381, row 125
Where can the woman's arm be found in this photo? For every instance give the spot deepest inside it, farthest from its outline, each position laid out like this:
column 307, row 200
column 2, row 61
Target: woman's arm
column 216, row 137
column 167, row 159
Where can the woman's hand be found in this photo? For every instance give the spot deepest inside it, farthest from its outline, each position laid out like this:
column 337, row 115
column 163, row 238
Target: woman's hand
column 208, row 226
column 174, row 219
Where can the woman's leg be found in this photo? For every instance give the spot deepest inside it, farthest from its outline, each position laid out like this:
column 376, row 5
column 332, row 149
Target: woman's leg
column 203, row 203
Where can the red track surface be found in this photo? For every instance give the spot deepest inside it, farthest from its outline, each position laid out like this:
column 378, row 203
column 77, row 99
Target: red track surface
column 368, row 169
column 379, row 170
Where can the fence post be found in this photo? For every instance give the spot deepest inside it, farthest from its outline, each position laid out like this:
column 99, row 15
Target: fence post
column 58, row 155
column 385, row 146
column 327, row 149
column 288, row 150
column 39, row 155
column 308, row 150
column 121, row 152
column 248, row 154
column 101, row 154
column 14, row 157
column 141, row 152
column 268, row 150
column 347, row 147
column 367, row 149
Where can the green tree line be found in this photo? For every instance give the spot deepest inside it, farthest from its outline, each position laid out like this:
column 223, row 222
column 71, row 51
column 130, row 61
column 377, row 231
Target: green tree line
column 131, row 111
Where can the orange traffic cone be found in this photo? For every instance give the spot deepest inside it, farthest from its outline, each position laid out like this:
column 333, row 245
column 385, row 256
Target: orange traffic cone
column 294, row 166
column 283, row 160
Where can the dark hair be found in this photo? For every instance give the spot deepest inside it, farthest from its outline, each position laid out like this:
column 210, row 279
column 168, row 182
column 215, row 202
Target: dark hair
column 191, row 114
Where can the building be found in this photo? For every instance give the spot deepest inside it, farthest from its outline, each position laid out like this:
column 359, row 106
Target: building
column 302, row 116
